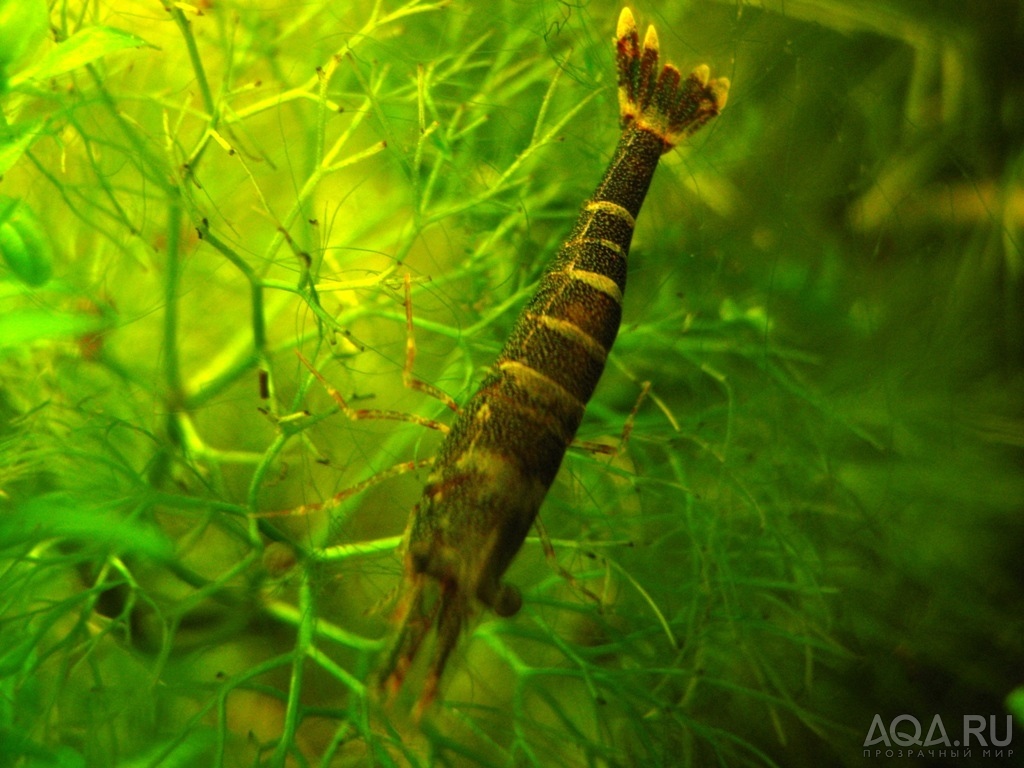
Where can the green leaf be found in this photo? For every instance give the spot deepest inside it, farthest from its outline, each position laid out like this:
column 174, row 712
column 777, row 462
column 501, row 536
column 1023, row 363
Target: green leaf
column 81, row 48
column 8, row 205
column 25, row 326
column 24, row 244
column 24, row 24
column 74, row 518
column 16, row 656
column 14, row 146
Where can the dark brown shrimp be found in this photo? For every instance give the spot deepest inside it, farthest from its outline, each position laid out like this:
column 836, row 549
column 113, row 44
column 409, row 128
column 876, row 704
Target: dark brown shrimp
column 504, row 450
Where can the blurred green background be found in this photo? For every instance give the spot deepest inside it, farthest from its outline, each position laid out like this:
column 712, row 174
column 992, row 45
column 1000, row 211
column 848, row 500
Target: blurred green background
column 816, row 519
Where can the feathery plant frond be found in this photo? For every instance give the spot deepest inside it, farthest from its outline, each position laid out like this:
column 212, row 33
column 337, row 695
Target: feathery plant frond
column 822, row 297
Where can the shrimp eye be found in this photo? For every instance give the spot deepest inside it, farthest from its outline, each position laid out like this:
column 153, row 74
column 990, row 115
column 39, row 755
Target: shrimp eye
column 507, row 601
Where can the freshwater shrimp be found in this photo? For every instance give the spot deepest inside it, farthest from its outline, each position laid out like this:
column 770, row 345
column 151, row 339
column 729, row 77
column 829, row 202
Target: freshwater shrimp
column 501, row 455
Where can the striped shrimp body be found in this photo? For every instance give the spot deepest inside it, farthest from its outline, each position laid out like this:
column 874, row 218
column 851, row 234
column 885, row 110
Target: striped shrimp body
column 504, row 450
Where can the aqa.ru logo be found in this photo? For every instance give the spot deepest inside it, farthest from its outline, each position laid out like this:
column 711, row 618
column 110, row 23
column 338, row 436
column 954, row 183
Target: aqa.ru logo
column 904, row 733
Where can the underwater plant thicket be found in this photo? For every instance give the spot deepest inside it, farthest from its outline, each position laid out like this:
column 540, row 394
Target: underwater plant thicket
column 815, row 518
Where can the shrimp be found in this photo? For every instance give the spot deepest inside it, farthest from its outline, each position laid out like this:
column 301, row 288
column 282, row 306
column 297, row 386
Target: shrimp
column 501, row 455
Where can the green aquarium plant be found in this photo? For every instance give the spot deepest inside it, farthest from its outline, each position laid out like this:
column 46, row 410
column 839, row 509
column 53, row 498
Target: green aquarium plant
column 792, row 511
